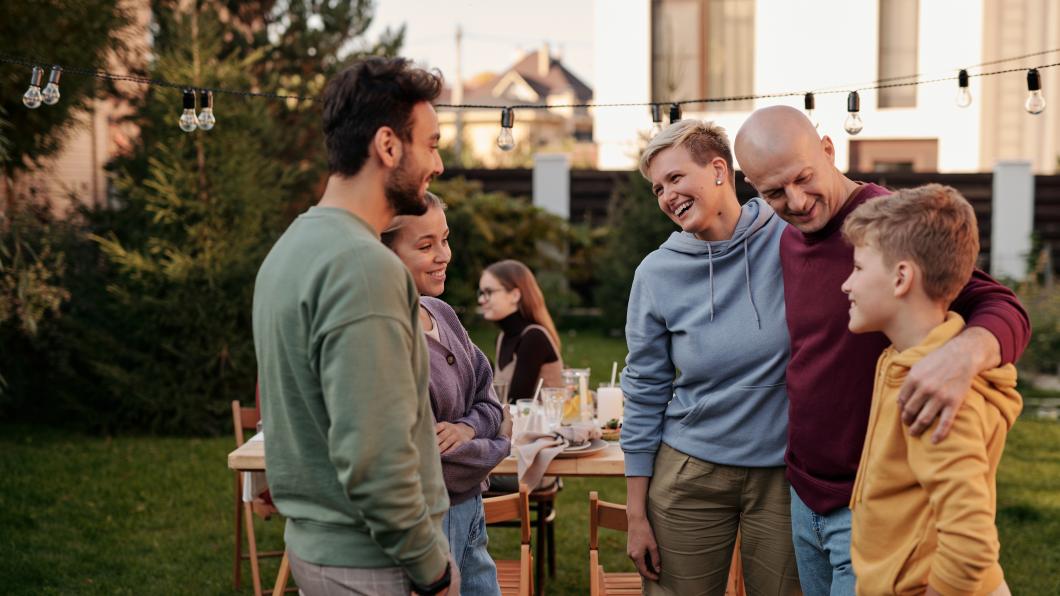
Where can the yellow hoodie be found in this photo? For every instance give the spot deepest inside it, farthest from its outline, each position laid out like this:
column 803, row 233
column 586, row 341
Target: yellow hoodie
column 923, row 514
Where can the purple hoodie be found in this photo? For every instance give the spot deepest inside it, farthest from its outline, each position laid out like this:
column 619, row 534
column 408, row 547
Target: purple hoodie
column 461, row 389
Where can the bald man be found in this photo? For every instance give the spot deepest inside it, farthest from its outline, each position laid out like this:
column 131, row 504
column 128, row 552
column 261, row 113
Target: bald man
column 831, row 371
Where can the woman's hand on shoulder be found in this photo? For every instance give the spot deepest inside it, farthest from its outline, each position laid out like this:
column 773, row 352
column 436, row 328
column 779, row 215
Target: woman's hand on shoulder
column 450, row 435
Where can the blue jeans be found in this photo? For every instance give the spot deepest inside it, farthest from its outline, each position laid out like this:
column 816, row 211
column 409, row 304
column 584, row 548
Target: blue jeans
column 822, row 549
column 465, row 526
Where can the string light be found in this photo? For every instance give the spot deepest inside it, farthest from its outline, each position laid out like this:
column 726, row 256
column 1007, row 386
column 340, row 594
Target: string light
column 675, row 112
column 1035, row 103
column 505, row 140
column 810, row 104
column 853, row 124
column 964, row 96
column 32, row 98
column 206, row 117
column 50, row 95
column 188, row 121
column 656, row 119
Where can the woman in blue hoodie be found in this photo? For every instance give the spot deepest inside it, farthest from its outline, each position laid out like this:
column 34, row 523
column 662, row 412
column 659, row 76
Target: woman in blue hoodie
column 706, row 405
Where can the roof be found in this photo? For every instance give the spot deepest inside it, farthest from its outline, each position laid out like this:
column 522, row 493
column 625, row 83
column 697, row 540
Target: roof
column 495, row 91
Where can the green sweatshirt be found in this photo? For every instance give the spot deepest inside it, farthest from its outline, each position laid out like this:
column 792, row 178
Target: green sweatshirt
column 350, row 448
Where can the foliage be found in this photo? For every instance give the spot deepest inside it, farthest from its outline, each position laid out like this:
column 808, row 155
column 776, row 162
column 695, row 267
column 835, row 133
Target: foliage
column 70, row 32
column 635, row 228
column 1041, row 297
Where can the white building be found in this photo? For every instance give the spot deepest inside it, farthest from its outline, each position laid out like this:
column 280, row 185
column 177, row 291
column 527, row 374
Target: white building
column 658, row 50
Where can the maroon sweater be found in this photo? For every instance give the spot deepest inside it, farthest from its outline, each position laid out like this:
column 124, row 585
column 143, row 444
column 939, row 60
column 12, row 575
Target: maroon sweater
column 831, row 371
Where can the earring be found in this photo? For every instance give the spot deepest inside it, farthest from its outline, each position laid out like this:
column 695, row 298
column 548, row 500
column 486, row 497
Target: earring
column 717, row 182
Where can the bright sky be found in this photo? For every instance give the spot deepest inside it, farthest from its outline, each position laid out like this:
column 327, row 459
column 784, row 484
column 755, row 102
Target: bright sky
column 494, row 32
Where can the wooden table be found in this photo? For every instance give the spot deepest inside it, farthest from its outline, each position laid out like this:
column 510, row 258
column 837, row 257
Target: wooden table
column 608, row 462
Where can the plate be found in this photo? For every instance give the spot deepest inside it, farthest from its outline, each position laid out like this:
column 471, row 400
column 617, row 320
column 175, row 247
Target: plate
column 594, row 446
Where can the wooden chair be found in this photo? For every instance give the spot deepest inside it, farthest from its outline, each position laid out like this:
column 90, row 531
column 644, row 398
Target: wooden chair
column 543, row 506
column 244, row 419
column 613, row 517
column 515, row 577
column 601, row 583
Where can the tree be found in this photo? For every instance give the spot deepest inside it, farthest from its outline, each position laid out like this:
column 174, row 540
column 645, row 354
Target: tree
column 73, row 32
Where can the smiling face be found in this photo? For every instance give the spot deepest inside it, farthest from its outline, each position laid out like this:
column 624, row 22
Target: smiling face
column 688, row 193
column 495, row 300
column 871, row 289
column 422, row 244
column 420, row 162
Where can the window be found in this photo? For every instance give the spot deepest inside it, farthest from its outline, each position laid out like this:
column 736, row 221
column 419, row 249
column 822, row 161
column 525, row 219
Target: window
column 898, row 50
column 897, row 155
column 703, row 48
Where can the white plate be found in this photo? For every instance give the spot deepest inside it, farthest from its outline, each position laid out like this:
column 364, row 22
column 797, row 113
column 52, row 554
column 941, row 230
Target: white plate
column 594, row 446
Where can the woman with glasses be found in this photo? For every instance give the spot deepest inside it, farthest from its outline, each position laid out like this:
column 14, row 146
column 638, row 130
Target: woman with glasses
column 473, row 434
column 528, row 347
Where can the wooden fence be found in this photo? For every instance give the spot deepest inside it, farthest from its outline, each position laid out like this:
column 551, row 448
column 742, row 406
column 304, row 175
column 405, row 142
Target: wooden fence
column 591, row 192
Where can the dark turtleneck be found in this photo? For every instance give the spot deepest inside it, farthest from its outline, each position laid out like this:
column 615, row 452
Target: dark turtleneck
column 531, row 350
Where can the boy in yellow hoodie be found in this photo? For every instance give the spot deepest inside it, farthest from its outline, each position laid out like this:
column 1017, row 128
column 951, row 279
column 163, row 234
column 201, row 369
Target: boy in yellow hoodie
column 923, row 514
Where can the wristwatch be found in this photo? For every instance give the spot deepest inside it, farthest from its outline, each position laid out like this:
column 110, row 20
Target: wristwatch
column 438, row 586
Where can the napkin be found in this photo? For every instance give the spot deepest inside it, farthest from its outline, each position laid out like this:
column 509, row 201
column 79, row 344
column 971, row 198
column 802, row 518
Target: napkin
column 533, row 452
column 579, row 432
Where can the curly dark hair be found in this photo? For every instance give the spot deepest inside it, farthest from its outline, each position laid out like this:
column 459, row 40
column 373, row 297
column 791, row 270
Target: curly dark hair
column 370, row 94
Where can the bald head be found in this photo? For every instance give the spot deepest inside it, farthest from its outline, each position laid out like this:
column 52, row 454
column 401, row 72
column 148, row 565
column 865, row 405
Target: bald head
column 772, row 132
column 791, row 167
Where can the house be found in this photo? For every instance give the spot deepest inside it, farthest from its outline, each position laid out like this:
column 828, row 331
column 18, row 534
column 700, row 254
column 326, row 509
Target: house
column 659, row 50
column 536, row 78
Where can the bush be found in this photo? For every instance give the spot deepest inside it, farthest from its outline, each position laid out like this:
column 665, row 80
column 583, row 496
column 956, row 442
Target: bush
column 635, row 227
column 1041, row 298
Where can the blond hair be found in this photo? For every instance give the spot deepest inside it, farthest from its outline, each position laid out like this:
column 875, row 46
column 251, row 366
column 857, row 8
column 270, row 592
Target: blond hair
column 931, row 225
column 704, row 141
column 513, row 274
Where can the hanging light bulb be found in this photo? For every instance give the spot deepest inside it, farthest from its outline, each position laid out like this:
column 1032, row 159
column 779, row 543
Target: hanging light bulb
column 505, row 140
column 188, row 121
column 50, row 95
column 1035, row 102
column 964, row 96
column 32, row 98
column 853, row 124
column 206, row 118
column 656, row 119
column 810, row 103
column 675, row 112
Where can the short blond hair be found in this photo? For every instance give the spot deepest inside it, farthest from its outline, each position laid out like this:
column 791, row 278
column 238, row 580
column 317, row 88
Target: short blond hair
column 931, row 225
column 703, row 139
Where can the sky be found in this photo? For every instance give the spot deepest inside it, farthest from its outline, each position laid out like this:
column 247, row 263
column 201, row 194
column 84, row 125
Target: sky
column 494, row 32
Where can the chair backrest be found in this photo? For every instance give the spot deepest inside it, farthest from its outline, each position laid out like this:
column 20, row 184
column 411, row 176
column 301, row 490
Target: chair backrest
column 509, row 507
column 603, row 514
column 243, row 419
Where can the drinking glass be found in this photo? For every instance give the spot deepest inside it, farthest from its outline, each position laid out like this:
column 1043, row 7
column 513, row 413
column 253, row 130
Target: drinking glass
column 501, row 389
column 554, row 400
column 524, row 411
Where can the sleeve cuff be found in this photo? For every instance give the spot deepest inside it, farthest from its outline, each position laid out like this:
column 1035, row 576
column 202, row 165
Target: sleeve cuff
column 1002, row 331
column 429, row 567
column 640, row 463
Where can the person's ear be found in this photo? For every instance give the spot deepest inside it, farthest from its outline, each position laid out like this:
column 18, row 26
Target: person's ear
column 904, row 274
column 387, row 146
column 721, row 170
column 517, row 295
column 829, row 148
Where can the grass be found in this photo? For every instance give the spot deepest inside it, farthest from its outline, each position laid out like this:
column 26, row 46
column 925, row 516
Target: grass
column 148, row 515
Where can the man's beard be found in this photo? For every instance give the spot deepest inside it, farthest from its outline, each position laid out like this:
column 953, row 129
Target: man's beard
column 403, row 191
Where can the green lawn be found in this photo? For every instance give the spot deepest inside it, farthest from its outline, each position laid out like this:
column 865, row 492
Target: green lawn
column 147, row 515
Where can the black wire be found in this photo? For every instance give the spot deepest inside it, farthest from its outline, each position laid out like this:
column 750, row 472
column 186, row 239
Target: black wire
column 880, row 84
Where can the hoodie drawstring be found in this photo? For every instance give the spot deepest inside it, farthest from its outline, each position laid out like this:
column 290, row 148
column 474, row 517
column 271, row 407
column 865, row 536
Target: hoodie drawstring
column 710, row 264
column 747, row 277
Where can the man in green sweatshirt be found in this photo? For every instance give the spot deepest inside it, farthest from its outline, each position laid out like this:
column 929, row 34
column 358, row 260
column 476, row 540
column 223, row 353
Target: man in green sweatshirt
column 350, row 451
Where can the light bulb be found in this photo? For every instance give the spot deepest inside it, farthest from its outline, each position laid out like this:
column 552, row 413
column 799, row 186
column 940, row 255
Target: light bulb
column 809, row 103
column 964, row 96
column 675, row 112
column 656, row 119
column 505, row 140
column 50, row 95
column 188, row 121
column 853, row 124
column 206, row 117
column 1035, row 103
column 32, row 98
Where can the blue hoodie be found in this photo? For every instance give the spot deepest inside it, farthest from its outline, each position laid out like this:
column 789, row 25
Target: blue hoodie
column 708, row 348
